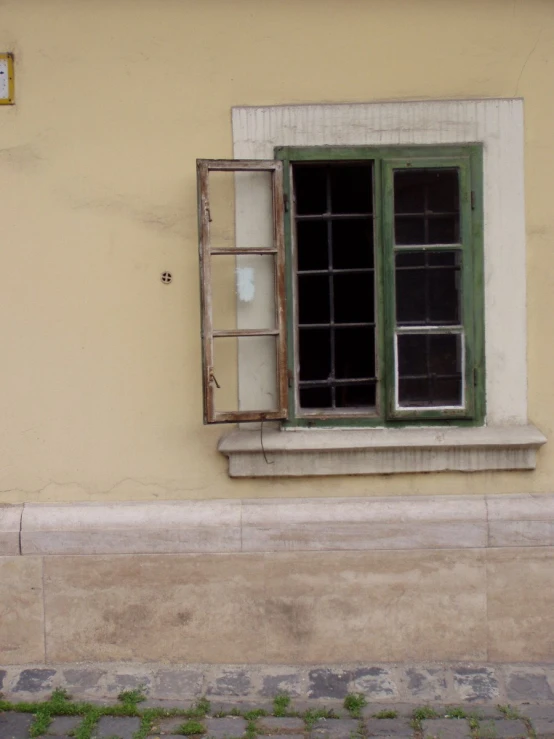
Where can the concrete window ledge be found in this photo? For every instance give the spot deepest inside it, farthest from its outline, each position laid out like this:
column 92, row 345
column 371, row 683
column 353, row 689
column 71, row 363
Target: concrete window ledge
column 297, row 453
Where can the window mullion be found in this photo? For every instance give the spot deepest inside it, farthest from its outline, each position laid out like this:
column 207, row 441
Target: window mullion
column 386, row 290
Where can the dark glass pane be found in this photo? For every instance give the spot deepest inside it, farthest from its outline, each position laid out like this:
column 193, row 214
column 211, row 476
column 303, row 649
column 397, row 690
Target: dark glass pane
column 444, row 296
column 444, row 258
column 351, row 396
column 354, row 299
column 310, row 189
column 448, row 391
column 352, row 244
column 411, row 258
column 313, row 299
column 430, row 370
column 443, row 190
column 409, row 231
column 315, row 397
column 428, row 294
column 435, row 194
column 444, row 354
column 409, row 194
column 354, row 353
column 419, row 190
column 314, row 353
column 311, row 245
column 412, row 354
column 410, row 296
column 444, row 230
column 351, row 188
column 413, row 392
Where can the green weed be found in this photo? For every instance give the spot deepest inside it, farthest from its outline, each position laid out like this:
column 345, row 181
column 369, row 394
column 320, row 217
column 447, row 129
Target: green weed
column 509, row 712
column 354, row 702
column 251, row 730
column 315, row 714
column 423, row 713
column 256, row 713
column 191, row 728
column 86, row 727
column 385, row 713
column 487, row 731
column 132, row 697
column 199, row 710
column 455, row 712
column 281, row 703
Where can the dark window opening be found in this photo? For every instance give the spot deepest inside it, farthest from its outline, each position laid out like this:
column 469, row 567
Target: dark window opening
column 426, row 206
column 335, row 285
column 429, row 370
column 428, row 288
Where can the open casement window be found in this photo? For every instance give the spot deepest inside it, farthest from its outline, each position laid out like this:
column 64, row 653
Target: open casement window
column 384, row 285
column 242, row 293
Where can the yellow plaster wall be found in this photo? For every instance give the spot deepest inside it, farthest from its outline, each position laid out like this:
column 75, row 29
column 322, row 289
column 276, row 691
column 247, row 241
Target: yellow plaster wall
column 100, row 362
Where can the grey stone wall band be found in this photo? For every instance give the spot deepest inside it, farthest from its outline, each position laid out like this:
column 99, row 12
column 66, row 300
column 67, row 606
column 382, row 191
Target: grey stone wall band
column 385, row 684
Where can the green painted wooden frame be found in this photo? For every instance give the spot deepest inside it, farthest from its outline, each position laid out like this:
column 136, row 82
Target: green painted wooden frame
column 469, row 160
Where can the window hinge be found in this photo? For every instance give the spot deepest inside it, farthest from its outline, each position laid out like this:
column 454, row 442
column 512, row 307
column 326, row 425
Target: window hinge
column 286, row 202
column 290, row 377
column 475, row 376
column 473, row 200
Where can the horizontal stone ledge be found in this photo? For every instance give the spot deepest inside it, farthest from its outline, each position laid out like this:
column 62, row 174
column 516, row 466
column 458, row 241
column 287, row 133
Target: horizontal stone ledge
column 275, row 525
column 131, row 528
column 10, row 524
column 299, row 453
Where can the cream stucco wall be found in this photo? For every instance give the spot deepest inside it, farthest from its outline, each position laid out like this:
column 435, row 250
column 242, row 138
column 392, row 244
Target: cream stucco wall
column 100, row 369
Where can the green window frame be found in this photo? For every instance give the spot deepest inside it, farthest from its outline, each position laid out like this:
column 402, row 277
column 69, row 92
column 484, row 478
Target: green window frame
column 468, row 161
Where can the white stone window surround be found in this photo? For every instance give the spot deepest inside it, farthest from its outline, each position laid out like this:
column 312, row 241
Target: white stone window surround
column 498, row 125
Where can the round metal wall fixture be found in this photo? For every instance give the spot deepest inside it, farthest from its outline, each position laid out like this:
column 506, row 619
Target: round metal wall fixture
column 166, row 277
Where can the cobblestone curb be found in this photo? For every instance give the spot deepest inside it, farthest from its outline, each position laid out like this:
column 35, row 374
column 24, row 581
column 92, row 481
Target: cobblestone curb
column 379, row 683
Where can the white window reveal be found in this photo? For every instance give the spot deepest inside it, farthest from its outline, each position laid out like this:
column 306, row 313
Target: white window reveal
column 503, row 439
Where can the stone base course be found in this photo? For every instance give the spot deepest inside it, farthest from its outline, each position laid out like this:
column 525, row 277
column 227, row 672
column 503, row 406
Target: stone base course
column 384, row 685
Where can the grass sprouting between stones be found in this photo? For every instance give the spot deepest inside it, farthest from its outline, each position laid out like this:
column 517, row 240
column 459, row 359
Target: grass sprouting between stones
column 315, row 714
column 354, row 702
column 386, row 713
column 191, row 728
column 281, row 704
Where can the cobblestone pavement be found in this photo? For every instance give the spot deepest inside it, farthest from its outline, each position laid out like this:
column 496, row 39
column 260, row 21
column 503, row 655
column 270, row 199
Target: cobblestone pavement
column 397, row 722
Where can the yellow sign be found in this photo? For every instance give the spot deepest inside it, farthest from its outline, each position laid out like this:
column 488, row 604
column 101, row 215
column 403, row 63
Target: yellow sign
column 7, row 92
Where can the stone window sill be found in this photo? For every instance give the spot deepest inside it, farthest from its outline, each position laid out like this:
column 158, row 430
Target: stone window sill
column 299, row 453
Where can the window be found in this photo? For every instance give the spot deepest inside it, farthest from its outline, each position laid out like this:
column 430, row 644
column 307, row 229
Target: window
column 384, row 263
column 226, row 265
column 384, row 279
column 474, row 316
